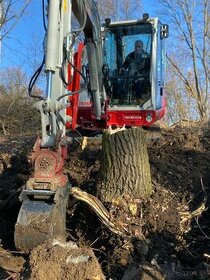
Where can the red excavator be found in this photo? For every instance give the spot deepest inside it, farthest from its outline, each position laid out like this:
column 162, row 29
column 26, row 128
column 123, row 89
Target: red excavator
column 87, row 87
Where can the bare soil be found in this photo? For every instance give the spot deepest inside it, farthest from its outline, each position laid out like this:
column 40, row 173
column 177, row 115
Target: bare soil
column 174, row 222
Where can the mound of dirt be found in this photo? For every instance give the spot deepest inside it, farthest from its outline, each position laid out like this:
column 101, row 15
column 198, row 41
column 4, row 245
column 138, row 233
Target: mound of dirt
column 63, row 261
column 175, row 220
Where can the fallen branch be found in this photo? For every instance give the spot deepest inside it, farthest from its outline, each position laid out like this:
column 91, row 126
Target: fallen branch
column 187, row 217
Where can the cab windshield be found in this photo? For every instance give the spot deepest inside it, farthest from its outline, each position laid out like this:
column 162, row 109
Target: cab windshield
column 127, row 54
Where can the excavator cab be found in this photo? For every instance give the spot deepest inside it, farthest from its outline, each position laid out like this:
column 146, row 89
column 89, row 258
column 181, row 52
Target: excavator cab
column 128, row 76
column 141, row 81
column 134, row 85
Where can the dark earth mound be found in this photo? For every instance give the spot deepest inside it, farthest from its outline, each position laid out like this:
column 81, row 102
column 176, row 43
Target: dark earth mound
column 175, row 220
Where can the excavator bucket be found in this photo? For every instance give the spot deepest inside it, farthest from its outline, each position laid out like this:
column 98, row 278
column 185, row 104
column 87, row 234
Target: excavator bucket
column 42, row 217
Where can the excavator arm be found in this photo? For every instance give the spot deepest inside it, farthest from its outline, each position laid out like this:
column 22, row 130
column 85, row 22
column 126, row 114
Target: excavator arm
column 60, row 39
column 44, row 197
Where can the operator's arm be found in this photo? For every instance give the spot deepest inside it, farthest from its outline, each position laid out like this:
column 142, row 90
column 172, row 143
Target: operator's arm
column 127, row 61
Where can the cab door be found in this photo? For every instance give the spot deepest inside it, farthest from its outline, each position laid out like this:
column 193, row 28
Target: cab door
column 160, row 64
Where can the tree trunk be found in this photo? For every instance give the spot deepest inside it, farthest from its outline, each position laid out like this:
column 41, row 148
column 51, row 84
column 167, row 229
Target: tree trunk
column 125, row 165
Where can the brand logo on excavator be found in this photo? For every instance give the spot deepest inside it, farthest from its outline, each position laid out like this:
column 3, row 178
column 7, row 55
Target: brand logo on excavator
column 133, row 117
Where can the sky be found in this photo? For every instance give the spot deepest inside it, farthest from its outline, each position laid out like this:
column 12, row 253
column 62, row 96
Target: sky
column 23, row 48
column 25, row 37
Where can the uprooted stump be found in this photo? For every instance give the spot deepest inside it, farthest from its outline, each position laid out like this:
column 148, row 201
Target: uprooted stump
column 125, row 165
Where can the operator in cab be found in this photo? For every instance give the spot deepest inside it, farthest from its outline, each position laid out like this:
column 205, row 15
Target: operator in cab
column 137, row 67
column 137, row 61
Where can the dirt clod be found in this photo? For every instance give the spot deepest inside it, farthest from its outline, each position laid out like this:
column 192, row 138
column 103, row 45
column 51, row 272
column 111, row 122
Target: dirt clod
column 64, row 262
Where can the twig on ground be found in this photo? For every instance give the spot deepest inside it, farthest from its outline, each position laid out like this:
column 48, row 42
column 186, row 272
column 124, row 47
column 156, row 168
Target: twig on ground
column 206, row 256
column 201, row 228
column 95, row 241
column 11, row 276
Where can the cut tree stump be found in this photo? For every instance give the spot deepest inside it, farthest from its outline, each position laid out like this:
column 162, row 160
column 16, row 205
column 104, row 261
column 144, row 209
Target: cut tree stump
column 125, row 165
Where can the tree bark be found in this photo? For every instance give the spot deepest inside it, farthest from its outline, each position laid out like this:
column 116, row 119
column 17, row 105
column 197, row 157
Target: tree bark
column 125, row 165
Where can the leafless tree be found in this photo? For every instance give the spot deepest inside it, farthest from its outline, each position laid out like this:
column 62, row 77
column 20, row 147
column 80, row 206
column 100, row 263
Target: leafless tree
column 15, row 105
column 119, row 10
column 189, row 53
column 180, row 104
column 10, row 12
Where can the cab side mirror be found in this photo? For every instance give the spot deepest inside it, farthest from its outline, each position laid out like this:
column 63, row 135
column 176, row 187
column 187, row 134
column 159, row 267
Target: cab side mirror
column 164, row 33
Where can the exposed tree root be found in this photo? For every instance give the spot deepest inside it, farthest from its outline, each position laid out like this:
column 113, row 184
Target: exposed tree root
column 116, row 226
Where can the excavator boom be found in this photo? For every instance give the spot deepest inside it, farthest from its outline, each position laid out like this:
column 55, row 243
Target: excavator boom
column 44, row 197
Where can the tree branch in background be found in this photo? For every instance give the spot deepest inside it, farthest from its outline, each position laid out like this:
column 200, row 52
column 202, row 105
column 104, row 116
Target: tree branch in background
column 10, row 14
column 190, row 49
